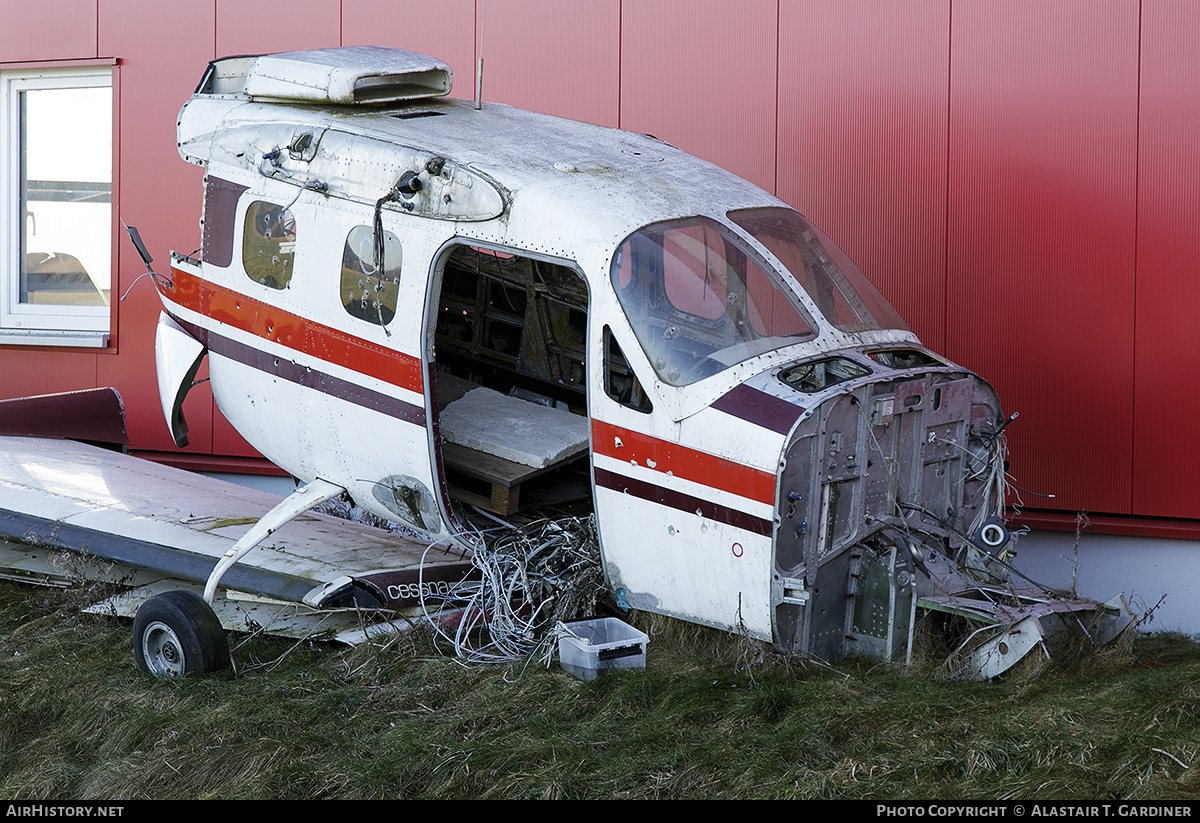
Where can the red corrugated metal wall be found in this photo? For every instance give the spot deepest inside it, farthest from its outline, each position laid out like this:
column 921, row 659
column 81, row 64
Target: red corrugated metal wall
column 701, row 75
column 863, row 113
column 1166, row 454
column 25, row 36
column 1020, row 176
column 1041, row 233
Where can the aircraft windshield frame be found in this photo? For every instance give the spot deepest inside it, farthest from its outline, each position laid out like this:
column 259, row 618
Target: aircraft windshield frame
column 842, row 293
column 700, row 299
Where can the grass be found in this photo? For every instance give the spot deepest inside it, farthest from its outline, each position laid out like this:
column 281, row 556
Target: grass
column 713, row 716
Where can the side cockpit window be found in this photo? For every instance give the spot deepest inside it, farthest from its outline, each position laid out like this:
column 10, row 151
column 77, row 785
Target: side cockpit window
column 620, row 383
column 369, row 289
column 269, row 244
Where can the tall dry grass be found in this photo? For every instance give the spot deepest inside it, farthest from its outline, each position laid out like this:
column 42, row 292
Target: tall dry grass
column 712, row 716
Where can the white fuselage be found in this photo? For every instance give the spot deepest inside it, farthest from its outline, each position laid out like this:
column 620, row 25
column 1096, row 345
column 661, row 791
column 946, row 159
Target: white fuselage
column 339, row 382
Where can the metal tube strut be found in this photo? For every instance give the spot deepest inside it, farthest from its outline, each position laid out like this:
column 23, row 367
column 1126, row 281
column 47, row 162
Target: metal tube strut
column 297, row 503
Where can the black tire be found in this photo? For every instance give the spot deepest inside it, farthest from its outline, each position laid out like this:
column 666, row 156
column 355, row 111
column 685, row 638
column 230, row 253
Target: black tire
column 177, row 634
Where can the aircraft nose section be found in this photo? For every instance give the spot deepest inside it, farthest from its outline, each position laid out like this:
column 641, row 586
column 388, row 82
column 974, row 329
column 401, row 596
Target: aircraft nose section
column 887, row 448
column 891, row 505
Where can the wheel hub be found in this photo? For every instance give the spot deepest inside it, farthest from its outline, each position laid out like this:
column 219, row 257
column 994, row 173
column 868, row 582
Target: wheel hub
column 163, row 651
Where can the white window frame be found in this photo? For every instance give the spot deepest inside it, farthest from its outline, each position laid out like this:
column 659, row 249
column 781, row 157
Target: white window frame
column 27, row 323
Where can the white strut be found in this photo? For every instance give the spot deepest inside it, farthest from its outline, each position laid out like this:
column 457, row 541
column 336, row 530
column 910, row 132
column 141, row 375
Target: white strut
column 294, row 505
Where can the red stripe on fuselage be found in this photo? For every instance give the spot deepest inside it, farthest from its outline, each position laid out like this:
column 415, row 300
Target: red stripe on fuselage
column 689, row 464
column 238, row 311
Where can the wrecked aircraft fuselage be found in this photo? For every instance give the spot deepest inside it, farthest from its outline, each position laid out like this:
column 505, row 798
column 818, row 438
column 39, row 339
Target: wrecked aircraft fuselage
column 765, row 444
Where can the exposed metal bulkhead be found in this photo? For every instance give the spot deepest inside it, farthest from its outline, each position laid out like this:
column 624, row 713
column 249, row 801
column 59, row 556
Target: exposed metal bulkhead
column 889, row 507
column 891, row 459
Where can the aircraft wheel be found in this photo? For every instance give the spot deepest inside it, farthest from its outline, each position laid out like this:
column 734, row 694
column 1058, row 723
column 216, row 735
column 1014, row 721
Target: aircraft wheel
column 177, row 634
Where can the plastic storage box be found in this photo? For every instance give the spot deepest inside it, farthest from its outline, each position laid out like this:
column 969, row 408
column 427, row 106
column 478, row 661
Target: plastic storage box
column 590, row 647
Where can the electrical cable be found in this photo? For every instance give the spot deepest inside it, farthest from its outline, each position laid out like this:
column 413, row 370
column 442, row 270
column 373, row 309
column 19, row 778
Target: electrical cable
column 530, row 580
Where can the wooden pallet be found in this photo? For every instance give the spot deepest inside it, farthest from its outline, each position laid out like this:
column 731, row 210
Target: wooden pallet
column 503, row 477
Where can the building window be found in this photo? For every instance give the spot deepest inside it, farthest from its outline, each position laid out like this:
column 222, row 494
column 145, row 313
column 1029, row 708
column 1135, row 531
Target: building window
column 55, row 206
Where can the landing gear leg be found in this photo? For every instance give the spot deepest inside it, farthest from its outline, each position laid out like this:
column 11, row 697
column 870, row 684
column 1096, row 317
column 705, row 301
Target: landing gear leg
column 296, row 504
column 177, row 633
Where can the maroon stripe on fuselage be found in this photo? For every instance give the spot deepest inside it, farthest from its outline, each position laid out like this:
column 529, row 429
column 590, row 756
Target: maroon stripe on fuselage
column 312, row 378
column 759, row 408
column 682, row 502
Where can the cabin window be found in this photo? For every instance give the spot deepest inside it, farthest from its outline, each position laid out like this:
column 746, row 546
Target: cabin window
column 699, row 300
column 369, row 287
column 56, row 216
column 269, row 244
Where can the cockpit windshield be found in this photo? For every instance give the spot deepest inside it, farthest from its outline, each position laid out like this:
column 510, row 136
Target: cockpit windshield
column 700, row 300
column 841, row 291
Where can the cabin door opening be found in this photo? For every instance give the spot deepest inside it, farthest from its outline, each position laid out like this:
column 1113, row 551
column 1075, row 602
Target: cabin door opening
column 508, row 347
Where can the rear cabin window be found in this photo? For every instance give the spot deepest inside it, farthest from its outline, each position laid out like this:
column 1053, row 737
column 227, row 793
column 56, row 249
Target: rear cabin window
column 220, row 220
column 370, row 276
column 269, row 244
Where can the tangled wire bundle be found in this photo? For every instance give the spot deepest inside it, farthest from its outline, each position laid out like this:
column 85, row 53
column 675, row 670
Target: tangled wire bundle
column 531, row 578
